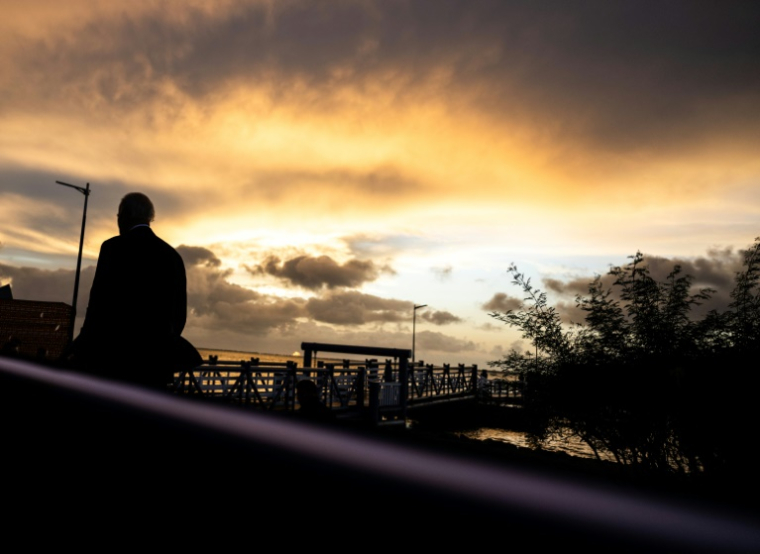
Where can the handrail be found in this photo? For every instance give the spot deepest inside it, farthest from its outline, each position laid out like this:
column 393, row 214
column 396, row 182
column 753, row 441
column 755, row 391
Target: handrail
column 344, row 387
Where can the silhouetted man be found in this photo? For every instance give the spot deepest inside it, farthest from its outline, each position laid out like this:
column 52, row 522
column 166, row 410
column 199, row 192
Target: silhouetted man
column 312, row 407
column 138, row 305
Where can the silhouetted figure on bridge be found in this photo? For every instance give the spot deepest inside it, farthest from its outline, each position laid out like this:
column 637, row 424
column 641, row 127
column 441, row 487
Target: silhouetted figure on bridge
column 138, row 305
column 311, row 406
column 483, row 386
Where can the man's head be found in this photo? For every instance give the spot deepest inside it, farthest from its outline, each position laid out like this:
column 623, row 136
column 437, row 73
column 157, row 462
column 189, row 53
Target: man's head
column 135, row 209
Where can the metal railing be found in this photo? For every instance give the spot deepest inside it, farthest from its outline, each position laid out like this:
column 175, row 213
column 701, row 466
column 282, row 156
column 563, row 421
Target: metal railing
column 348, row 386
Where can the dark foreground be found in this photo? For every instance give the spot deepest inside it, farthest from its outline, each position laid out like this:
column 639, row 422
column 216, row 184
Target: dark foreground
column 445, row 426
column 96, row 463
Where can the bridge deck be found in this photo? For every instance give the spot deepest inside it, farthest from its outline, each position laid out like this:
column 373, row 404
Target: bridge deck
column 366, row 388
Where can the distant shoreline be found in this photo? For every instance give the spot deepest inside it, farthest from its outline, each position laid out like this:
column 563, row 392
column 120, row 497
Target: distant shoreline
column 240, row 355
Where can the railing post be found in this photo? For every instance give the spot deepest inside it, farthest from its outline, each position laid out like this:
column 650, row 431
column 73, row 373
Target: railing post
column 374, row 401
column 361, row 377
column 329, row 397
column 403, row 377
column 290, row 385
column 249, row 384
column 388, row 377
column 434, row 387
column 320, row 376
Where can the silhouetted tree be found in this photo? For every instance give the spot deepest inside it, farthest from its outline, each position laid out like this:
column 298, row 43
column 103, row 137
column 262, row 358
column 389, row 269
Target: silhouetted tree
column 643, row 378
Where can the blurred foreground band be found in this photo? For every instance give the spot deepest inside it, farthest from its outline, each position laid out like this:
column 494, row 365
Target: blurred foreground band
column 89, row 452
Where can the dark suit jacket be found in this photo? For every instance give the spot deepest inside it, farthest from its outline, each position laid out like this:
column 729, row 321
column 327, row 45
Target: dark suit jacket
column 137, row 309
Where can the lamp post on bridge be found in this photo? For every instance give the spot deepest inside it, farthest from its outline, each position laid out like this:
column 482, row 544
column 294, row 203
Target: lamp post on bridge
column 414, row 328
column 86, row 192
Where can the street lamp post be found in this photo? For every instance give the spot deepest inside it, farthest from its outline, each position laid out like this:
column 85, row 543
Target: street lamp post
column 414, row 328
column 86, row 192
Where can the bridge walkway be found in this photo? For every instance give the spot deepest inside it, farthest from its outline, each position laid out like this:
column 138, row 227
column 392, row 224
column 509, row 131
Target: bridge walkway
column 382, row 392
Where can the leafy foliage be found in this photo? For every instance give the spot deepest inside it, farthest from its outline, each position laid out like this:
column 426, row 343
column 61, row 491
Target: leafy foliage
column 643, row 378
column 539, row 322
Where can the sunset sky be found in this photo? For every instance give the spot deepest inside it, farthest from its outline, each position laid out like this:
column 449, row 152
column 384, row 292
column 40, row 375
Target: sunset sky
column 322, row 166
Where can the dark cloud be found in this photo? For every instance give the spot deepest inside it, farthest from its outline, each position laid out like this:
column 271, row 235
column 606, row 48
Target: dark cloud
column 716, row 270
column 377, row 184
column 439, row 342
column 620, row 74
column 222, row 314
column 211, row 299
column 219, row 308
column 317, row 272
column 356, row 308
column 197, row 255
column 440, row 318
column 126, row 60
column 256, row 317
column 502, row 302
column 555, row 285
column 29, row 283
column 39, row 187
column 217, row 304
column 208, row 287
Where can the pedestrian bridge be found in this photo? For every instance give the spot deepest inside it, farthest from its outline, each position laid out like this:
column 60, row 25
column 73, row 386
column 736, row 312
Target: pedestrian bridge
column 381, row 391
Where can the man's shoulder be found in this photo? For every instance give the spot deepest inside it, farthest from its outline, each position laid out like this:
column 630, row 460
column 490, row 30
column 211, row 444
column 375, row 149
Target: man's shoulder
column 146, row 234
column 141, row 238
column 131, row 239
column 166, row 246
column 159, row 244
column 112, row 243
